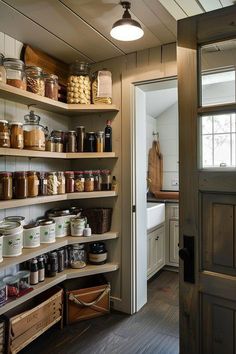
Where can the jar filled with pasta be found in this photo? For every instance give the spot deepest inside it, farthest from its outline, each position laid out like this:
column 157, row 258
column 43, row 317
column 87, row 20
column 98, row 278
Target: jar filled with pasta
column 52, row 183
column 102, row 87
column 79, row 85
column 79, row 181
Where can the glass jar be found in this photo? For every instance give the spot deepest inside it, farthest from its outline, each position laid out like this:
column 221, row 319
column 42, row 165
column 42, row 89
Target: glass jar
column 2, row 70
column 77, row 253
column 35, row 80
column 79, row 181
column 61, row 189
column 71, row 141
column 34, row 133
column 20, row 185
column 90, row 142
column 70, row 182
column 97, row 253
column 88, row 181
column 33, row 184
column 97, row 180
column 80, row 138
column 102, row 87
column 79, row 85
column 58, row 144
column 61, row 259
column 52, row 264
column 4, row 134
column 50, row 144
column 15, row 72
column 42, row 177
column 51, row 86
column 106, row 180
column 17, row 135
column 99, row 141
column 5, row 185
column 52, row 183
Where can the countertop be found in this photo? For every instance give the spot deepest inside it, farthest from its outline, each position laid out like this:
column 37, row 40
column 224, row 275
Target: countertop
column 155, row 200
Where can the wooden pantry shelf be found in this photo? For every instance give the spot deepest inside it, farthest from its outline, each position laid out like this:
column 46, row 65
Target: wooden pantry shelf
column 28, row 98
column 66, row 274
column 56, row 155
column 16, row 203
column 29, row 253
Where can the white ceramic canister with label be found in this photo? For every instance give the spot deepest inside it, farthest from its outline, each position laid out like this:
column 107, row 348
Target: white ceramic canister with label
column 12, row 232
column 31, row 235
column 47, row 230
column 78, row 225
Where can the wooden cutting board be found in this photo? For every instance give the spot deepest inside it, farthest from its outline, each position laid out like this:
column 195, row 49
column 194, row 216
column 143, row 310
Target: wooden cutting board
column 155, row 167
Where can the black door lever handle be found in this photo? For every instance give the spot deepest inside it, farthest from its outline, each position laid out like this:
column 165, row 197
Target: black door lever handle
column 184, row 254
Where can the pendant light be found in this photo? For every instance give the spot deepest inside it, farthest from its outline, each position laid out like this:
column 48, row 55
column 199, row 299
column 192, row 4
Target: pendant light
column 126, row 29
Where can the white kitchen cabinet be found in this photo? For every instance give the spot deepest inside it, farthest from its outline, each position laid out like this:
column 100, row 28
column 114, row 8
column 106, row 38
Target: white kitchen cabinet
column 172, row 235
column 156, row 250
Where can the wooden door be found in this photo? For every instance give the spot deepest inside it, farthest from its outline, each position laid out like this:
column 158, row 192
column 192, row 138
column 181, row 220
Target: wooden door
column 174, row 242
column 207, row 184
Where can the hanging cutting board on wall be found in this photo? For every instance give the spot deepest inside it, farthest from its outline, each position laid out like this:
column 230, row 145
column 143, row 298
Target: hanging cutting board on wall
column 155, row 168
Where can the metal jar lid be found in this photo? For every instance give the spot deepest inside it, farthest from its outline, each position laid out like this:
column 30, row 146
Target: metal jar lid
column 10, row 227
column 31, row 226
column 19, row 219
column 45, row 222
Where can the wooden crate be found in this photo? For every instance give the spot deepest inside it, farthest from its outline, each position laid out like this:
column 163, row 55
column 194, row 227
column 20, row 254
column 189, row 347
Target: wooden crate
column 28, row 325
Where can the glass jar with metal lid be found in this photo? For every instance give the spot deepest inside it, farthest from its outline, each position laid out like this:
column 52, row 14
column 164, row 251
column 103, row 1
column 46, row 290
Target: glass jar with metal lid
column 106, row 180
column 52, row 183
column 79, row 84
column 47, row 230
column 5, row 185
column 58, row 144
column 33, row 184
column 79, row 181
column 97, row 180
column 51, row 86
column 4, row 134
column 35, row 80
column 90, row 142
column 2, row 70
column 50, row 144
column 70, row 182
column 61, row 189
column 77, row 256
column 17, row 135
column 99, row 141
column 88, row 181
column 71, row 141
column 15, row 72
column 20, row 184
column 34, row 133
column 42, row 177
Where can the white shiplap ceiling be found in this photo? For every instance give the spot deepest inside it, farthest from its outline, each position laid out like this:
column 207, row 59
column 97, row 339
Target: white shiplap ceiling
column 80, row 29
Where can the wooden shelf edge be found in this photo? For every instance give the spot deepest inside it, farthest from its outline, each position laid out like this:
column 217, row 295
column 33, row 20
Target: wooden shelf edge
column 29, row 253
column 66, row 274
column 14, row 94
column 55, row 155
column 17, row 203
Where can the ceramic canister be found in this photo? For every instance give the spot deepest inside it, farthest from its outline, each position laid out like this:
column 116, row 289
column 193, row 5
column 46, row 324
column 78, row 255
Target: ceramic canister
column 62, row 221
column 12, row 232
column 31, row 236
column 20, row 219
column 78, row 225
column 47, row 231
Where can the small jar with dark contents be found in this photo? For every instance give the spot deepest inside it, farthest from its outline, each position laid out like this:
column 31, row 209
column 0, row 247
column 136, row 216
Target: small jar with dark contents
column 70, row 181
column 20, row 185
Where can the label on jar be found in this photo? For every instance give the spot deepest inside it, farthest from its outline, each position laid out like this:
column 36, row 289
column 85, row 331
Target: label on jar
column 104, row 84
column 47, row 233
column 97, row 257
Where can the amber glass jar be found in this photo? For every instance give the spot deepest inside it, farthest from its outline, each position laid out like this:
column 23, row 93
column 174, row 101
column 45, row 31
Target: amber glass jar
column 97, row 180
column 89, row 181
column 21, row 184
column 17, row 135
column 4, row 134
column 79, row 181
column 5, row 185
column 61, row 189
column 42, row 177
column 70, row 182
column 106, row 180
column 51, row 86
column 71, row 144
column 33, row 184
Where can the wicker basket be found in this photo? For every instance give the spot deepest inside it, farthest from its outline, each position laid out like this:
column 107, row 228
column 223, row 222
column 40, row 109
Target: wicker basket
column 99, row 219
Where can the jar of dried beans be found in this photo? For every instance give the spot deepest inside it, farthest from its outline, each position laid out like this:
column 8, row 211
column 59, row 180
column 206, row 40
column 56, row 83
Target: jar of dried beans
column 35, row 80
column 17, row 135
column 33, row 184
column 34, row 133
column 5, row 185
column 4, row 134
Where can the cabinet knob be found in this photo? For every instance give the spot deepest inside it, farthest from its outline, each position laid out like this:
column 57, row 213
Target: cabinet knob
column 157, row 238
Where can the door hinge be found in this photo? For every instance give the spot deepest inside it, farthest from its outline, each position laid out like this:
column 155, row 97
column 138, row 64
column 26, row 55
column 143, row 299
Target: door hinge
column 134, row 208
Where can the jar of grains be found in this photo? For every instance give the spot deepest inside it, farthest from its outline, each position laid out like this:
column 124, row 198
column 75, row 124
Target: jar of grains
column 70, row 182
column 79, row 181
column 52, row 183
column 33, row 184
column 42, row 177
column 58, row 144
column 35, row 80
column 61, row 189
column 4, row 134
column 97, row 180
column 5, row 185
column 51, row 86
column 71, row 141
column 15, row 72
column 20, row 184
column 50, row 144
column 34, row 133
column 2, row 70
column 17, row 135
column 99, row 141
column 79, row 85
column 106, row 180
column 88, row 181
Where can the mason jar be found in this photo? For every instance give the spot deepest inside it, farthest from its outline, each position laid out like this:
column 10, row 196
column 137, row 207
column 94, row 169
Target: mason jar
column 15, row 72
column 35, row 80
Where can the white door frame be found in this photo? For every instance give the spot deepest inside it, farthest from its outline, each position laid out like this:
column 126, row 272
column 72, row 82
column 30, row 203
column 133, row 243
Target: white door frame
column 129, row 252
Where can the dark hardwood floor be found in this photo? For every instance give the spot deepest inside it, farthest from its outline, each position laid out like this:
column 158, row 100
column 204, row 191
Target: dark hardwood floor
column 153, row 330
